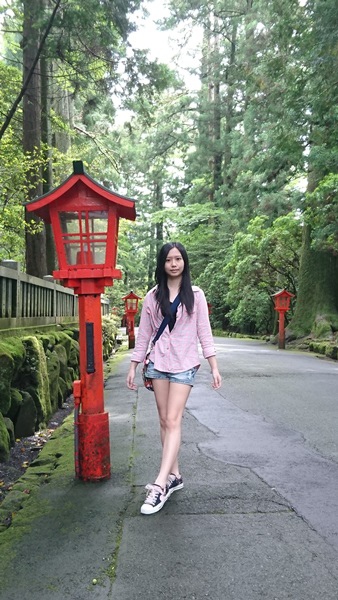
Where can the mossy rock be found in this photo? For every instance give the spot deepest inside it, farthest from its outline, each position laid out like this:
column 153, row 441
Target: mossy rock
column 6, row 375
column 322, row 328
column 16, row 401
column 48, row 342
column 331, row 351
column 5, row 442
column 64, row 340
column 318, row 347
column 41, row 420
column 63, row 391
column 73, row 333
column 53, row 370
column 62, row 354
column 17, row 351
column 64, row 370
column 10, row 428
column 30, row 367
column 74, row 356
column 34, row 377
column 61, row 399
column 73, row 374
column 27, row 417
column 70, row 332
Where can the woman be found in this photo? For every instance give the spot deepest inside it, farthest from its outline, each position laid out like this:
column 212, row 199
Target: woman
column 173, row 360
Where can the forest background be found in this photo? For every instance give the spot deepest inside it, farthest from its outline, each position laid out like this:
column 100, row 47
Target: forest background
column 243, row 170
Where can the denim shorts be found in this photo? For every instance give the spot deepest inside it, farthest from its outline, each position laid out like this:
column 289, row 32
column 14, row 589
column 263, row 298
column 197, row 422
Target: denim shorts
column 186, row 377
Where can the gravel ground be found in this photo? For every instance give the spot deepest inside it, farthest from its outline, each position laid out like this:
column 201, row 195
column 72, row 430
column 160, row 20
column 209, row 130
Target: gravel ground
column 27, row 449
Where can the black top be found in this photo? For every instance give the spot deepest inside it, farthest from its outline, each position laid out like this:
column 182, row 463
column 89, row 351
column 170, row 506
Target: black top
column 172, row 319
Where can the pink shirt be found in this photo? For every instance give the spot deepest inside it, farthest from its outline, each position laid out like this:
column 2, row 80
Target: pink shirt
column 177, row 350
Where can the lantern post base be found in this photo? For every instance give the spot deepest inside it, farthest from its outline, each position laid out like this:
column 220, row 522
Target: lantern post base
column 93, row 447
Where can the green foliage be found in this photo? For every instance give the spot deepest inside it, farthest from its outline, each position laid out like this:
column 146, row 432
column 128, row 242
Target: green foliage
column 262, row 260
column 214, row 282
column 221, row 168
column 253, row 313
column 86, row 54
column 110, row 326
column 14, row 192
column 322, row 214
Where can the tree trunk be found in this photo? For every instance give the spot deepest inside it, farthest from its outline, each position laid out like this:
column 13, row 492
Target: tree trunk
column 62, row 104
column 152, row 257
column 216, row 103
column 210, row 123
column 229, row 106
column 35, row 244
column 159, row 206
column 47, row 171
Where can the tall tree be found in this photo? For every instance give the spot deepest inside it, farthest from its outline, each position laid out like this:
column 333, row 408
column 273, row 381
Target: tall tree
column 35, row 256
column 317, row 305
column 71, row 50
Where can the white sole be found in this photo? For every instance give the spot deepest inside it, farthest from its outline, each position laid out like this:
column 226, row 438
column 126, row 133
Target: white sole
column 146, row 509
column 175, row 489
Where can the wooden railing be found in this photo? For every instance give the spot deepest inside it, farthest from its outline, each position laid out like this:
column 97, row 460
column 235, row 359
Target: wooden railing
column 29, row 301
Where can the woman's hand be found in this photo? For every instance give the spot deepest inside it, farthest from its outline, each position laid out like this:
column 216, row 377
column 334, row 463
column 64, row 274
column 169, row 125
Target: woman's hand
column 217, row 379
column 131, row 376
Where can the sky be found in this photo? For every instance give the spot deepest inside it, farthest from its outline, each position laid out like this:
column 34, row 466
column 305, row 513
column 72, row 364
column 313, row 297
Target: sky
column 148, row 36
column 163, row 45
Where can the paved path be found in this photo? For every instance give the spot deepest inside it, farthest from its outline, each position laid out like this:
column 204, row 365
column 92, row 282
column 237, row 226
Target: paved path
column 230, row 534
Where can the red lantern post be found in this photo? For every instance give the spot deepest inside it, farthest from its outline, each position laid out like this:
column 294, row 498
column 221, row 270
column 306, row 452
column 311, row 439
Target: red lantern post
column 282, row 305
column 131, row 308
column 85, row 217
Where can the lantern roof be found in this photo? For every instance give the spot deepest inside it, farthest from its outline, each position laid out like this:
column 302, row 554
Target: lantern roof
column 125, row 206
column 131, row 295
column 284, row 293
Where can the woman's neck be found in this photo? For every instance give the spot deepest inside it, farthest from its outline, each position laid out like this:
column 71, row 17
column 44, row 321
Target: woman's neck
column 173, row 287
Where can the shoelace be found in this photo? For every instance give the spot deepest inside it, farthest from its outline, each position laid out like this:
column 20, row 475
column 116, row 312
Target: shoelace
column 153, row 494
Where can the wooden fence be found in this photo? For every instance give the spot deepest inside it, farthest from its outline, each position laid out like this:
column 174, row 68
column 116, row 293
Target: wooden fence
column 27, row 301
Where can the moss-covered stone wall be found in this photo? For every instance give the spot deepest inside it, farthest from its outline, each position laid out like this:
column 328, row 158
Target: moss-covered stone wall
column 36, row 376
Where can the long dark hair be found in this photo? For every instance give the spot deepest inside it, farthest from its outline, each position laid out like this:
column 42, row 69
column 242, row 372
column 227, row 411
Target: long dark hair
column 162, row 291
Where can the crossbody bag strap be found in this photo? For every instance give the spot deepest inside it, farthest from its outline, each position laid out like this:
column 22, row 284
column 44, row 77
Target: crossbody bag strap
column 166, row 319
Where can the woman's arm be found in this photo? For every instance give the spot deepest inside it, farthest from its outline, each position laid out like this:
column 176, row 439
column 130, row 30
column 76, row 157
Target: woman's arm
column 205, row 337
column 204, row 332
column 145, row 331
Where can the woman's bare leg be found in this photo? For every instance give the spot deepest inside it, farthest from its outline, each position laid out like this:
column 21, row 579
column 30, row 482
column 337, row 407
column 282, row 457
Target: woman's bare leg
column 171, row 399
column 161, row 389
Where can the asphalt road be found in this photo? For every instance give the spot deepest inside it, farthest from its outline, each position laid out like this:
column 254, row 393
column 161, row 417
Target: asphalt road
column 256, row 520
column 277, row 414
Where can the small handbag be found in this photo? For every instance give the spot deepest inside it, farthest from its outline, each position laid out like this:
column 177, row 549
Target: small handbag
column 148, row 383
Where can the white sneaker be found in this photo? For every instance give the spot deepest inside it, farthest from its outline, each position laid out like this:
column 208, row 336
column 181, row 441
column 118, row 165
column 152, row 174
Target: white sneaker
column 155, row 500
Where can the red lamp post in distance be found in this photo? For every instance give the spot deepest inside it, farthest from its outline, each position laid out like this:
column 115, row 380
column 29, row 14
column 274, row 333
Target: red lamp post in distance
column 282, row 301
column 85, row 216
column 130, row 309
